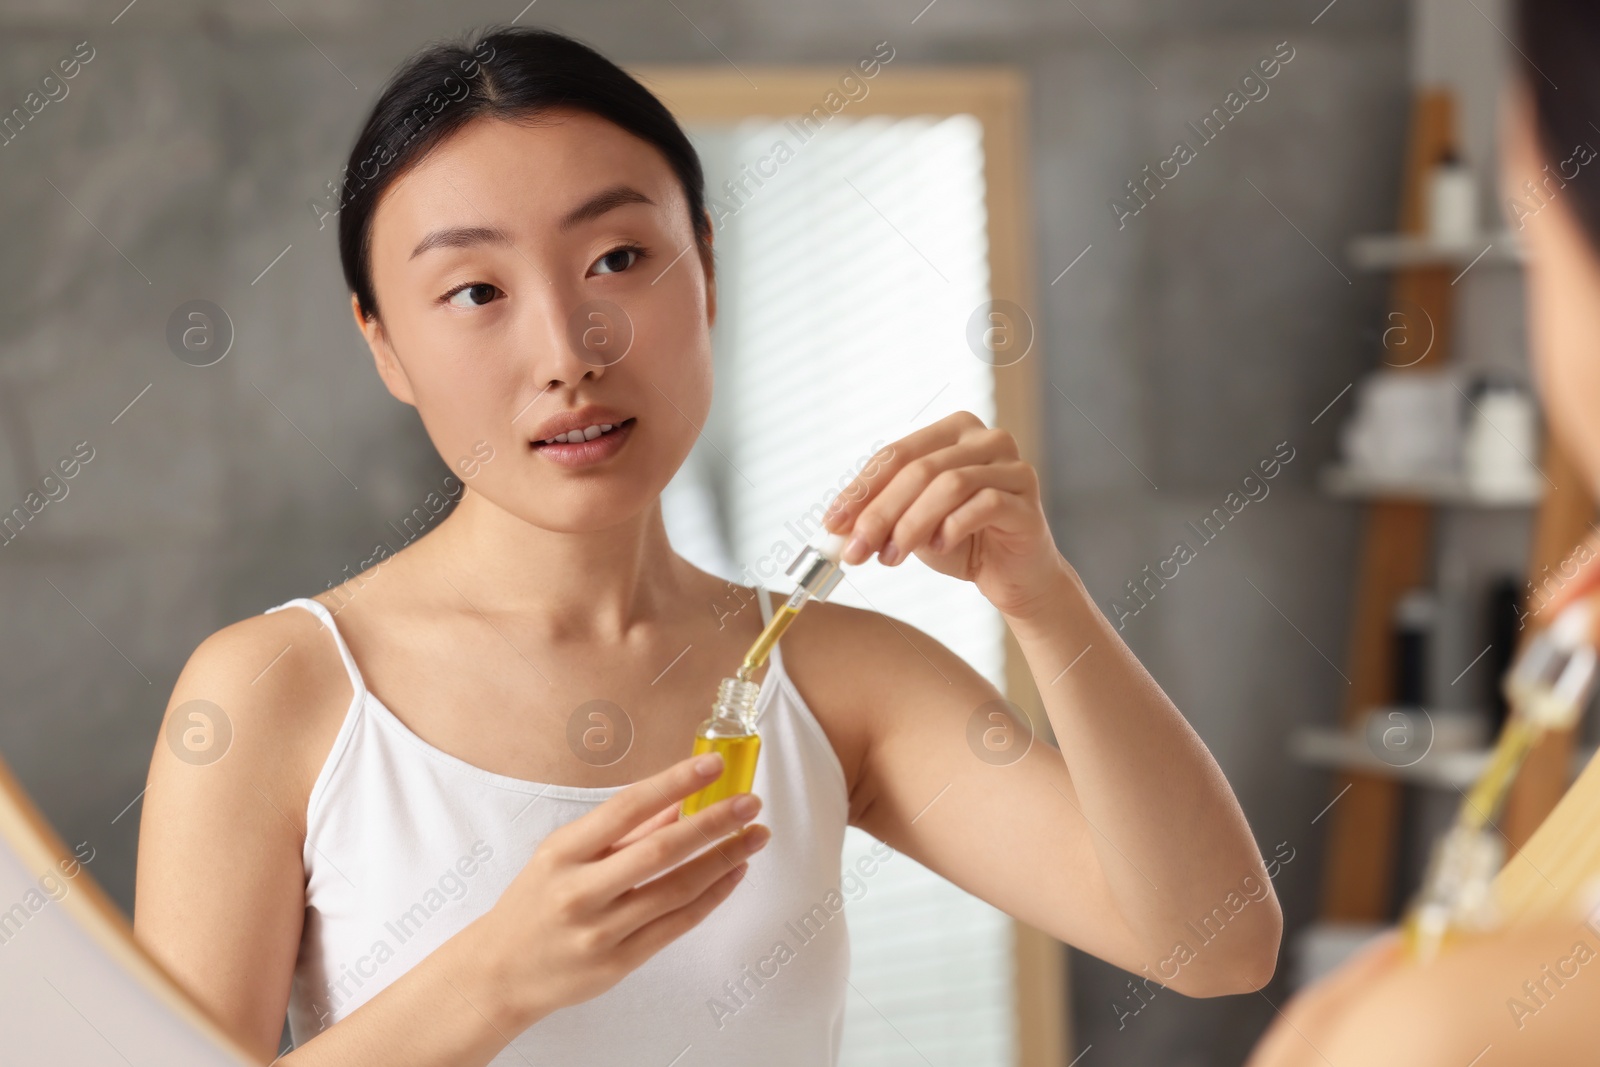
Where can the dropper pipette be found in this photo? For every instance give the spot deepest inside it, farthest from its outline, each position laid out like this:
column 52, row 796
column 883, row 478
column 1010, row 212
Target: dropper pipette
column 731, row 730
column 816, row 571
column 1548, row 687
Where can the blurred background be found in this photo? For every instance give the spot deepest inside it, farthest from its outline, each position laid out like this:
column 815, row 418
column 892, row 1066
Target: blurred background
column 1295, row 348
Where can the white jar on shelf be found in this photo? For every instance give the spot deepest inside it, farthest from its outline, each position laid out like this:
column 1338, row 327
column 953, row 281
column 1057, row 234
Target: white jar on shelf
column 1452, row 202
column 1502, row 444
column 1406, row 426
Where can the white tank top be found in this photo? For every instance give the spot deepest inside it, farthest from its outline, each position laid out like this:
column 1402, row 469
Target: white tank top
column 406, row 844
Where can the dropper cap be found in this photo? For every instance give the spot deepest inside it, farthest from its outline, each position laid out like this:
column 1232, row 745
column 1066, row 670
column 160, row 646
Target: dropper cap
column 817, row 568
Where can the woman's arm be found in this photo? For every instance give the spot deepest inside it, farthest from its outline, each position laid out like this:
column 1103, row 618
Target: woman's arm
column 220, row 892
column 570, row 926
column 1125, row 841
column 455, row 1008
column 221, row 888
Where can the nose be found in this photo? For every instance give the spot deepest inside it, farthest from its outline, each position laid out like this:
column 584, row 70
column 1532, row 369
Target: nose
column 582, row 338
column 600, row 333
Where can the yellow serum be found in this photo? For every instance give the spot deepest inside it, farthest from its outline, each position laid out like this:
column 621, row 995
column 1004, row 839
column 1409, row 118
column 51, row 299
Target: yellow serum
column 730, row 731
column 738, row 769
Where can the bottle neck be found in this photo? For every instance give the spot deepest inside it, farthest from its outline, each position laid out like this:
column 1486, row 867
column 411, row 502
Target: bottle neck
column 736, row 700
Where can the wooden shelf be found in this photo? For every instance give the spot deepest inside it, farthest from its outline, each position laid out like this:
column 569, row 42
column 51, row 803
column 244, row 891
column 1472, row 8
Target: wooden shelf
column 1451, row 490
column 1342, row 750
column 1390, row 251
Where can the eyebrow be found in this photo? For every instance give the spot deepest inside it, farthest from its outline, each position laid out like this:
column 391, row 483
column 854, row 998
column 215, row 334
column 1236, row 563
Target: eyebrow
column 602, row 202
column 461, row 237
column 592, row 208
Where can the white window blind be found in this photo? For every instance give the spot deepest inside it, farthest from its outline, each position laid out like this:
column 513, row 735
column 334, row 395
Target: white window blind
column 846, row 282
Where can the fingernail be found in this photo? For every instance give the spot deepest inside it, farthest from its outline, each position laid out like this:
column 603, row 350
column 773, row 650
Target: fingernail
column 856, row 550
column 758, row 838
column 710, row 763
column 738, row 872
column 746, row 806
column 888, row 553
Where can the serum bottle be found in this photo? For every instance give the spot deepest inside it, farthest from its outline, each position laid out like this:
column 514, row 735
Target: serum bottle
column 731, row 730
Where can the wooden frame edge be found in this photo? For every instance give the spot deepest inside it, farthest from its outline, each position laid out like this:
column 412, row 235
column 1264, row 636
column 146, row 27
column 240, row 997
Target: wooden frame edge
column 42, row 852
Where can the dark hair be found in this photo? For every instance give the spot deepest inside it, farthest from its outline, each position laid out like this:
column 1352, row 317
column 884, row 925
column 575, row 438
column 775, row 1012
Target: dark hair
column 511, row 73
column 1561, row 41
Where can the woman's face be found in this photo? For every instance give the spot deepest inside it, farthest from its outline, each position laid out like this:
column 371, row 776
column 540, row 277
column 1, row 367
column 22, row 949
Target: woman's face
column 512, row 299
column 1563, row 290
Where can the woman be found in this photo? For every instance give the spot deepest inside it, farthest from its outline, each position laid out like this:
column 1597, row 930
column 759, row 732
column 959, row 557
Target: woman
column 1472, row 1005
column 402, row 848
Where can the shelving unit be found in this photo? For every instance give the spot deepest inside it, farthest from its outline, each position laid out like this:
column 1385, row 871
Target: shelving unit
column 1363, row 822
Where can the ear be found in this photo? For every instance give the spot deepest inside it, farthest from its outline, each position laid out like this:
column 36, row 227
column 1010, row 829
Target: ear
column 389, row 368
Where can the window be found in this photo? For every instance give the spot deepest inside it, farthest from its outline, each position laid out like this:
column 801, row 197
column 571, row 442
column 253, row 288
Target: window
column 854, row 261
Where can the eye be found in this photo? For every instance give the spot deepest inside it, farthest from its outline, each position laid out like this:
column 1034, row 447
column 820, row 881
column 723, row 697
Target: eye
column 478, row 294
column 619, row 259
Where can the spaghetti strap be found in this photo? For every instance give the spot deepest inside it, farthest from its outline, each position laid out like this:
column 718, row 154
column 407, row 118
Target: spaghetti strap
column 766, row 608
column 320, row 610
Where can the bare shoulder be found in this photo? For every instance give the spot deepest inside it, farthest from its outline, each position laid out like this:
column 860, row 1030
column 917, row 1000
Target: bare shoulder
column 258, row 704
column 219, row 897
column 867, row 678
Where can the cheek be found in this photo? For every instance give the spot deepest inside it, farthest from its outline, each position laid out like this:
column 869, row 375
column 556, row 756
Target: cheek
column 461, row 390
column 679, row 410
column 673, row 346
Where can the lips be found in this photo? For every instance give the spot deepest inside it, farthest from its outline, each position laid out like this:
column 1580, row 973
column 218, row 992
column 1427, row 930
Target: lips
column 587, row 433
column 587, row 417
column 585, row 445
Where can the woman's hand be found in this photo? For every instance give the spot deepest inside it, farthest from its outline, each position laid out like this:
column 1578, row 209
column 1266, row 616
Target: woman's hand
column 1142, row 827
column 955, row 495
column 607, row 891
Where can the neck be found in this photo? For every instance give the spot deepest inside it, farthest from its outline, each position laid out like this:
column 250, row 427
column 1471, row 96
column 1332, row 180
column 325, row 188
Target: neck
column 595, row 584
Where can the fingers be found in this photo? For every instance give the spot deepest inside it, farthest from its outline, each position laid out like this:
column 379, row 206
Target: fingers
column 658, row 933
column 890, row 460
column 664, row 817
column 597, row 833
column 928, row 488
column 680, row 886
column 670, row 845
column 961, row 502
column 852, row 498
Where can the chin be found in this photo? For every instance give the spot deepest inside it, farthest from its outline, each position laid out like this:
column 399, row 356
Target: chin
column 599, row 504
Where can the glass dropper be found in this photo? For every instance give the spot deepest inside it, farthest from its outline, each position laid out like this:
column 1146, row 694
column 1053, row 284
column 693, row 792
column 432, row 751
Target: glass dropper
column 816, row 570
